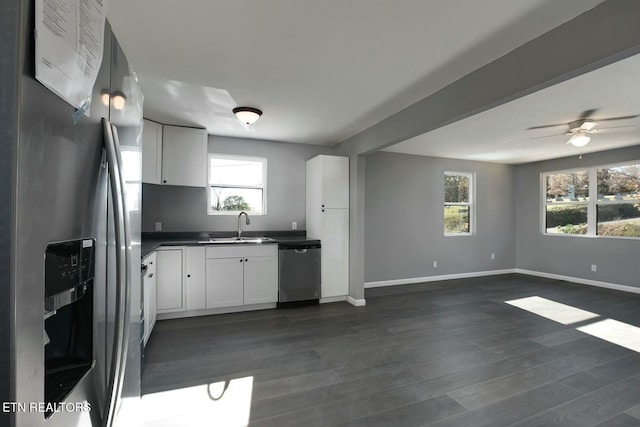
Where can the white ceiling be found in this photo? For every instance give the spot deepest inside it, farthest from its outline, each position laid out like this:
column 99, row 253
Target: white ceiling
column 323, row 71
column 501, row 134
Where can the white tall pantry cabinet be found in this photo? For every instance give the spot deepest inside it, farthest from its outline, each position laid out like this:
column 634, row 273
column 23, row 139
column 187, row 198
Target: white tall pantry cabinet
column 327, row 189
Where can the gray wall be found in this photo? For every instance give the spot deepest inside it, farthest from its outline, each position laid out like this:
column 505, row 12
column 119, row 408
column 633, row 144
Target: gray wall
column 404, row 218
column 611, row 30
column 185, row 208
column 616, row 259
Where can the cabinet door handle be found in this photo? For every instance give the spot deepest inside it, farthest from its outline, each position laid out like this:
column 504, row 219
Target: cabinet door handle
column 188, row 275
column 241, row 259
column 150, row 275
column 246, row 260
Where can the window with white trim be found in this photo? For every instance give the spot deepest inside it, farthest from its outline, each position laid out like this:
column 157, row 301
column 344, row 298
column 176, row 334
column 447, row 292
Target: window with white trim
column 236, row 184
column 459, row 209
column 566, row 202
column 618, row 201
column 599, row 201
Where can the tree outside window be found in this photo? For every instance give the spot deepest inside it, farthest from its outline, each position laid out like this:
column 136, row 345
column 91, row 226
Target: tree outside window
column 458, row 209
column 236, row 184
column 596, row 201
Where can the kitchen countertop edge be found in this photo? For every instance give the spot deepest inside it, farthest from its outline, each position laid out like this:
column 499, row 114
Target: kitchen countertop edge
column 152, row 241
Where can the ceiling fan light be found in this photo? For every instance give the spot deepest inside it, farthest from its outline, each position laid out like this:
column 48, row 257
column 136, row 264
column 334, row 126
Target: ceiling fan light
column 247, row 115
column 580, row 139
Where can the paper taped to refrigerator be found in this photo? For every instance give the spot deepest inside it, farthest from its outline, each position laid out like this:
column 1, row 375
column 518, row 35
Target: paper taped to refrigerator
column 69, row 46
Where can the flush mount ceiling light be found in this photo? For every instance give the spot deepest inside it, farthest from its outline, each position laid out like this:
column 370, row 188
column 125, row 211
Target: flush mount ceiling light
column 579, row 139
column 247, row 115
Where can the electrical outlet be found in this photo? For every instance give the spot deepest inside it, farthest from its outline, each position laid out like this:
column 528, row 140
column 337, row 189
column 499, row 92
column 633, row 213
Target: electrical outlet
column 594, row 267
column 158, row 226
column 493, row 256
column 435, row 264
column 294, row 225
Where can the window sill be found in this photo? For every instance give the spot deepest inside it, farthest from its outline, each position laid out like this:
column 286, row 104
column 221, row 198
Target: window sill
column 233, row 213
column 590, row 236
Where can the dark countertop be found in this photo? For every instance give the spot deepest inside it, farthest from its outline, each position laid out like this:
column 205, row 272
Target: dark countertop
column 151, row 241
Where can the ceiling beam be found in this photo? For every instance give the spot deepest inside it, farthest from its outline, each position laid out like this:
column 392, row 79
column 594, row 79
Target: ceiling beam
column 601, row 36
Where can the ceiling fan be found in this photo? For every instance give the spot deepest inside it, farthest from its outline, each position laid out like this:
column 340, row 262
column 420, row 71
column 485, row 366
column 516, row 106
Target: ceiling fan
column 581, row 129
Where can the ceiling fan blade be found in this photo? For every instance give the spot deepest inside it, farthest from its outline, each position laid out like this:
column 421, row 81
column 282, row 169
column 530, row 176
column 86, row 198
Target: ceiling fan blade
column 587, row 113
column 619, row 118
column 549, row 136
column 583, row 116
column 588, row 125
column 546, row 126
column 617, row 129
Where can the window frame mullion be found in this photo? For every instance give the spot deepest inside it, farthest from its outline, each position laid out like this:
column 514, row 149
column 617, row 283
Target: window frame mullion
column 591, row 206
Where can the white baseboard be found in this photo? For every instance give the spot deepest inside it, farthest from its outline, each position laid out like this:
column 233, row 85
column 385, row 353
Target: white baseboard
column 350, row 300
column 597, row 283
column 414, row 280
column 209, row 311
column 356, row 302
column 333, row 299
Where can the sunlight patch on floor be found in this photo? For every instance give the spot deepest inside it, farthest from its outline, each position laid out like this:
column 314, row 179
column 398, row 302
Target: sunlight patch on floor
column 225, row 403
column 620, row 333
column 552, row 310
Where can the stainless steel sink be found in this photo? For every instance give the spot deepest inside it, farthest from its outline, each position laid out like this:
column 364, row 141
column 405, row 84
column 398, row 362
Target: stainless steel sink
column 238, row 240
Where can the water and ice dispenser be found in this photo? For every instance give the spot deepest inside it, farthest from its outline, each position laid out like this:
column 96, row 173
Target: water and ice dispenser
column 68, row 319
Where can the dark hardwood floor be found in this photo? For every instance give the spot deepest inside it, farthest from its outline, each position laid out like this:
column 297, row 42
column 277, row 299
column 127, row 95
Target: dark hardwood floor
column 449, row 353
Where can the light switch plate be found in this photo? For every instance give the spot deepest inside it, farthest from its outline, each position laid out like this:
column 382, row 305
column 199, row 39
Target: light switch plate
column 158, row 226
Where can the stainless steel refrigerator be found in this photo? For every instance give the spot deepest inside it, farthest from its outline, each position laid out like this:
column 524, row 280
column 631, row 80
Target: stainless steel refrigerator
column 63, row 182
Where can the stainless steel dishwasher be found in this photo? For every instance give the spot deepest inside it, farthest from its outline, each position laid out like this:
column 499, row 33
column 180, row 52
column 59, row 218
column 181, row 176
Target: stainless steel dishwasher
column 299, row 273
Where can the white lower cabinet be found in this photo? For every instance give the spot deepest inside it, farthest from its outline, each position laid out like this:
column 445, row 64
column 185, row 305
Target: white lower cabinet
column 196, row 279
column 195, row 289
column 260, row 280
column 149, row 301
column 335, row 252
column 241, row 275
column 170, row 283
column 224, row 282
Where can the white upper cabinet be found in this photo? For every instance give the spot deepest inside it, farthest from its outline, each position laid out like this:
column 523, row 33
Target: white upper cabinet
column 329, row 186
column 184, row 156
column 152, row 152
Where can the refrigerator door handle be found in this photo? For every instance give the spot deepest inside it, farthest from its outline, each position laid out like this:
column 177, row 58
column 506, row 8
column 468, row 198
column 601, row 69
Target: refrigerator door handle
column 123, row 247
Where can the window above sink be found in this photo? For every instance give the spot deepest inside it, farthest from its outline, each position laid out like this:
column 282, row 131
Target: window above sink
column 236, row 184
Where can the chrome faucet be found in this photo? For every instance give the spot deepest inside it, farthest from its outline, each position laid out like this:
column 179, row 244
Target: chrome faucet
column 247, row 222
